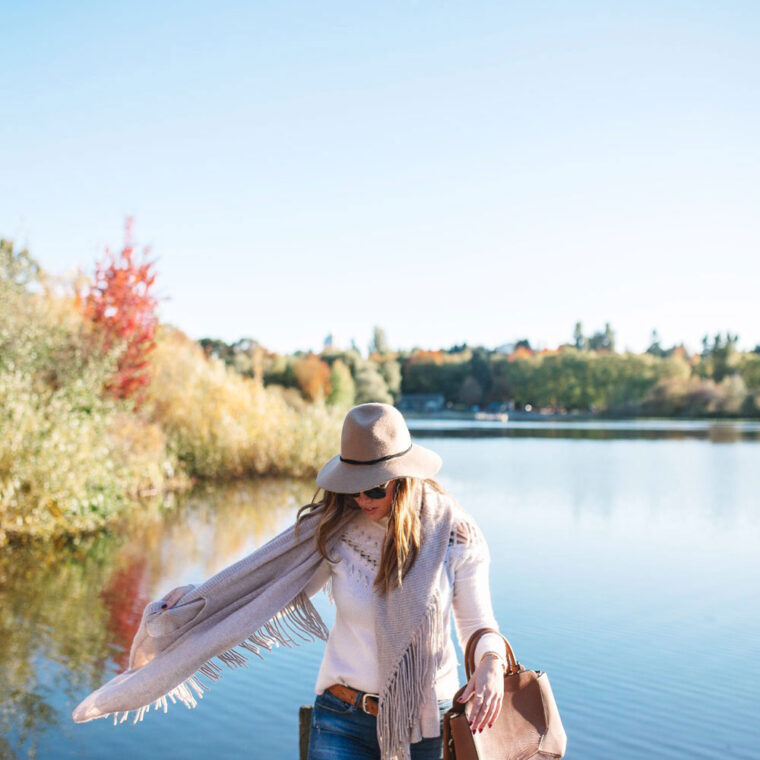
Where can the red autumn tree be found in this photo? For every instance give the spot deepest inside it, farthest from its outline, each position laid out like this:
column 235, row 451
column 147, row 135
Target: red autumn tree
column 313, row 377
column 124, row 599
column 121, row 303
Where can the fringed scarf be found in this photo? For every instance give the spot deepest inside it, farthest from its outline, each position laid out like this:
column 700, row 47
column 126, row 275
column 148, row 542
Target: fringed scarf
column 259, row 602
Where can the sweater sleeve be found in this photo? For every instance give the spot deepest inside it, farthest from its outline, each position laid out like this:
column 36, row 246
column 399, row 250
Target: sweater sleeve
column 319, row 579
column 471, row 602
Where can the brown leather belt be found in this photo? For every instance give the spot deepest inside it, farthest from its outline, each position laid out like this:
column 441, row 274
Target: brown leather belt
column 368, row 702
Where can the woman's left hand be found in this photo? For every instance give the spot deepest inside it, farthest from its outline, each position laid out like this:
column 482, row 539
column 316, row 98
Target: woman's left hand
column 485, row 689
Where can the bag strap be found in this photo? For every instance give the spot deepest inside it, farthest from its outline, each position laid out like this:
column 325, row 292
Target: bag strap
column 513, row 666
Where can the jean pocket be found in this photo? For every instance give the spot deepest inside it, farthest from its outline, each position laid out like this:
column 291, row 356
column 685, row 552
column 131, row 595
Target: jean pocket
column 328, row 701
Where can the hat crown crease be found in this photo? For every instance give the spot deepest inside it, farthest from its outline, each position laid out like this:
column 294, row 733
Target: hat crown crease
column 372, row 431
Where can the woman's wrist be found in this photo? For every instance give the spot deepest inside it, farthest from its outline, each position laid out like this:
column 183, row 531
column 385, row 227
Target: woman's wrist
column 496, row 657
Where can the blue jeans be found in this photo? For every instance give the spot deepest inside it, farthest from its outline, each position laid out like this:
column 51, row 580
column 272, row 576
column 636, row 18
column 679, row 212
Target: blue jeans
column 343, row 731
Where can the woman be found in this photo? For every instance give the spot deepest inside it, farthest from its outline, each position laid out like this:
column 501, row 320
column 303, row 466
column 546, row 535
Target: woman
column 382, row 473
column 398, row 555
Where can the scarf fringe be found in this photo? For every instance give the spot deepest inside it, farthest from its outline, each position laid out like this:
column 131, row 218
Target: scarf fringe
column 404, row 693
column 298, row 620
column 328, row 589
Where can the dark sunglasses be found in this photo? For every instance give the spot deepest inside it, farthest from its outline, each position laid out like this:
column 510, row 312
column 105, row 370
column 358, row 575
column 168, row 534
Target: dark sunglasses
column 378, row 492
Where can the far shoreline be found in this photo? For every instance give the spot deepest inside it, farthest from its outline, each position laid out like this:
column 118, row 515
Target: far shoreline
column 523, row 416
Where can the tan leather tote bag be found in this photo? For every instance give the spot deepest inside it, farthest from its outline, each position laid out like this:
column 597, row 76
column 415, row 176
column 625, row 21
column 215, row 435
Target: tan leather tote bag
column 528, row 727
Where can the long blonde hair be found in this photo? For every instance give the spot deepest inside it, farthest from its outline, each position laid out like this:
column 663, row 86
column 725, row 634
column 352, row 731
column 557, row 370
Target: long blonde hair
column 402, row 539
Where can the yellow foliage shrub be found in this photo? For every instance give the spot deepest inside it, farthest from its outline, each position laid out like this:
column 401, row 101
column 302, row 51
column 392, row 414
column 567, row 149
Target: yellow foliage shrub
column 221, row 424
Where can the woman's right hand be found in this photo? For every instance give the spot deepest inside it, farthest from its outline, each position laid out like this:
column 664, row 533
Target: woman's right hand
column 170, row 599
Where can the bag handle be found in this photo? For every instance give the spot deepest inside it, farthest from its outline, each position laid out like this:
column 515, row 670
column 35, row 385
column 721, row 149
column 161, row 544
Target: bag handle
column 513, row 666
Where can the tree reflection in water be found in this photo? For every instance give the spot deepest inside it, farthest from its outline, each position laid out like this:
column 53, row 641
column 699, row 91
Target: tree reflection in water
column 69, row 610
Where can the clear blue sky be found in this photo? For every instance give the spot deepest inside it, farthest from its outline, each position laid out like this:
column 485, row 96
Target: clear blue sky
column 454, row 172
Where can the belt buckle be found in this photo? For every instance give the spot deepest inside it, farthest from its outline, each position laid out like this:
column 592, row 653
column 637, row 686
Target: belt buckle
column 363, row 702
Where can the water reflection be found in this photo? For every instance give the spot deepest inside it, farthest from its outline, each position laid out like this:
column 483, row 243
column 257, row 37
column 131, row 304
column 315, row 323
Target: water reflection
column 612, row 552
column 68, row 611
column 49, row 610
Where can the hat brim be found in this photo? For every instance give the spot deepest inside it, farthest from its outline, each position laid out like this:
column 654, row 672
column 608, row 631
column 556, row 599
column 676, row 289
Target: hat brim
column 340, row 477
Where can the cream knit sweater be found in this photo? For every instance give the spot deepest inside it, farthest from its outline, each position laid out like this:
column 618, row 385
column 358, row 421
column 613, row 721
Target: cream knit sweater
column 350, row 656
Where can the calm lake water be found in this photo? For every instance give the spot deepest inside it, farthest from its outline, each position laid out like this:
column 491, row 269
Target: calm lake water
column 626, row 565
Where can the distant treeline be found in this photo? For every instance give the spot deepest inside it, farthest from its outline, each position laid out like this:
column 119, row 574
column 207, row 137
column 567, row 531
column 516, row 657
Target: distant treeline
column 585, row 375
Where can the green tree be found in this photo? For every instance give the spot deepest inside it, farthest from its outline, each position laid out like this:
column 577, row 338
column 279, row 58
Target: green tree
column 17, row 267
column 609, row 337
column 370, row 385
column 343, row 388
column 379, row 342
column 579, row 340
column 218, row 348
column 471, row 392
column 390, row 369
column 749, row 369
column 655, row 347
column 279, row 370
column 514, row 380
column 603, row 341
column 353, row 360
column 480, row 369
column 724, row 356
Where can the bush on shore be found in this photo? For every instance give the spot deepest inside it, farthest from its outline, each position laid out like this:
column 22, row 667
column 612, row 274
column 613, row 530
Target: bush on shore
column 221, row 424
column 71, row 458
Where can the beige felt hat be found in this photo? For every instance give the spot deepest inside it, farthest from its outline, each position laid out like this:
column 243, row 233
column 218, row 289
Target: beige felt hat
column 375, row 447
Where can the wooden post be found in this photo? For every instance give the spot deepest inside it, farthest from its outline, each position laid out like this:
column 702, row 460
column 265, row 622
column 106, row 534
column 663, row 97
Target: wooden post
column 304, row 725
